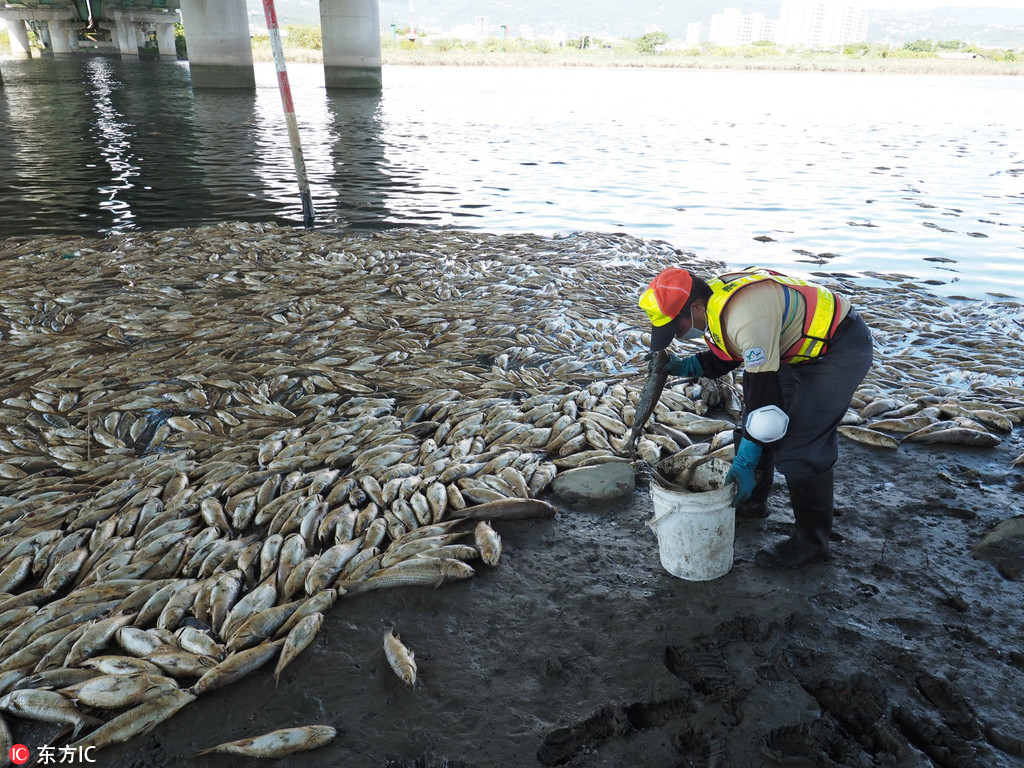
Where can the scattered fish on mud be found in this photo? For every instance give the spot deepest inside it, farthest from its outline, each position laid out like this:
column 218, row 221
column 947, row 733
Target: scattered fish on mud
column 869, row 436
column 210, row 436
column 488, row 543
column 285, row 741
column 400, row 658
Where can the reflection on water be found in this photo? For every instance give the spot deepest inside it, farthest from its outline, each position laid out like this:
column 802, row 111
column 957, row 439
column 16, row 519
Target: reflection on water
column 360, row 173
column 112, row 136
column 920, row 175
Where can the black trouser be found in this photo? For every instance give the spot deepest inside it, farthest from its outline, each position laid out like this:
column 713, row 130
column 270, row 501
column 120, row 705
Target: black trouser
column 816, row 395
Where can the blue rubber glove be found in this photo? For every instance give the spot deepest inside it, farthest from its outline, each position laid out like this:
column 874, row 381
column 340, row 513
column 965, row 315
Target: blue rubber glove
column 742, row 472
column 688, row 367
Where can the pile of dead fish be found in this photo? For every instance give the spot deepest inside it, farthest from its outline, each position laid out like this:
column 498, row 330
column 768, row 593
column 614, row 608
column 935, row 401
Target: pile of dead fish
column 212, row 435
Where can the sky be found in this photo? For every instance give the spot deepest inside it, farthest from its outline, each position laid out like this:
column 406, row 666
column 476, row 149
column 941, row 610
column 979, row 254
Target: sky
column 924, row 5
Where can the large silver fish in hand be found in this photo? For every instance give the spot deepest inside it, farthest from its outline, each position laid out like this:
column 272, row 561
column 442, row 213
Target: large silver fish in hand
column 657, row 375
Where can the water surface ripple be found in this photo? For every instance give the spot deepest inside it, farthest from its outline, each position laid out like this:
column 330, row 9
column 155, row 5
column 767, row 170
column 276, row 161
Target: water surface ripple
column 864, row 174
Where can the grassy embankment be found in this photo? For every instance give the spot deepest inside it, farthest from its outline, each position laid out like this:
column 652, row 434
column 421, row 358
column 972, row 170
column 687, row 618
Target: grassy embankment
column 810, row 62
column 920, row 57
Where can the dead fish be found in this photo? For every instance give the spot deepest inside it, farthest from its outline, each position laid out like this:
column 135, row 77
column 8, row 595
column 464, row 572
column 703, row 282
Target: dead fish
column 488, row 543
column 415, row 572
column 657, row 375
column 904, row 425
column 869, row 437
column 236, row 666
column 118, row 691
column 47, row 707
column 120, row 665
column 882, row 405
column 956, row 436
column 400, row 658
column 682, row 461
column 284, row 741
column 135, row 721
column 506, row 509
column 298, row 639
column 261, row 625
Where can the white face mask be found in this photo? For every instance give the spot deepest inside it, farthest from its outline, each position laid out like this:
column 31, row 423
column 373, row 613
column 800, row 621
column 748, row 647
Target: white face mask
column 693, row 333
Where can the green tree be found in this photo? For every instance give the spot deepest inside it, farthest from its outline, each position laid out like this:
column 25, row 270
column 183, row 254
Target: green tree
column 920, row 46
column 179, row 41
column 648, row 42
column 304, row 36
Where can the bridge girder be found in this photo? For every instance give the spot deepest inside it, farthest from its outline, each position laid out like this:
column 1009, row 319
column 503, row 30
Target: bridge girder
column 101, row 10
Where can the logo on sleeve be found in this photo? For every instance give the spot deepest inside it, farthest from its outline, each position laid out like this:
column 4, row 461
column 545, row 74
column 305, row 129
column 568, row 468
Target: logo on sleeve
column 755, row 356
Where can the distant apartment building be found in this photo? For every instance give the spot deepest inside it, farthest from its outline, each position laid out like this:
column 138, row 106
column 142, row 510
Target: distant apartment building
column 821, row 24
column 734, row 28
column 808, row 23
column 693, row 33
column 483, row 27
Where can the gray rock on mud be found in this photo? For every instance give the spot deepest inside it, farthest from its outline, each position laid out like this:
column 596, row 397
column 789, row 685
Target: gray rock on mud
column 1003, row 546
column 603, row 482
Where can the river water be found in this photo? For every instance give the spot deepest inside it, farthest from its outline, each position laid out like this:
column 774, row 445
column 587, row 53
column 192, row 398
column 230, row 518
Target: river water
column 863, row 174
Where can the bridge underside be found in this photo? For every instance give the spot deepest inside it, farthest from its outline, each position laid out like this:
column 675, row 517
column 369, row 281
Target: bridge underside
column 85, row 10
column 216, row 34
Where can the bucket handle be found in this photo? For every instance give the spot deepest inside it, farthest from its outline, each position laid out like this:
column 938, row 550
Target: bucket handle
column 653, row 522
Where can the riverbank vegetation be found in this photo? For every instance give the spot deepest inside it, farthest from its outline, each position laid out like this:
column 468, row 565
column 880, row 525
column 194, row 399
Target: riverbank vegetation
column 707, row 56
column 303, row 43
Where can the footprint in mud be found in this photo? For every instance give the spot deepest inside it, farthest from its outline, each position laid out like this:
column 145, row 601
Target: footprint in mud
column 945, row 748
column 561, row 745
column 748, row 629
column 812, row 745
column 612, row 722
column 697, row 748
column 857, row 702
column 1000, row 738
column 707, row 673
column 954, row 709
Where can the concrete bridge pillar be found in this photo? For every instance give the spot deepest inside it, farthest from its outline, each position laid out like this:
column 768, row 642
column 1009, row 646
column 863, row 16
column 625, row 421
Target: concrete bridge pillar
column 55, row 32
column 350, row 30
column 127, row 39
column 219, row 51
column 20, row 46
column 165, row 42
column 60, row 38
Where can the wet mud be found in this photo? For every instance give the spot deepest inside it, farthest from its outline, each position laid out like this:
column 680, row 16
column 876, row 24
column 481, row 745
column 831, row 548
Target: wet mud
column 580, row 650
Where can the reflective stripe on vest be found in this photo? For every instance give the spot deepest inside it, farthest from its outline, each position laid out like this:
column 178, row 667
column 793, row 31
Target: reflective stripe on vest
column 821, row 314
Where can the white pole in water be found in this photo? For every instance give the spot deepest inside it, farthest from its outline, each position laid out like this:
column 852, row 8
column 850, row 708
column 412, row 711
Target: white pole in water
column 289, row 111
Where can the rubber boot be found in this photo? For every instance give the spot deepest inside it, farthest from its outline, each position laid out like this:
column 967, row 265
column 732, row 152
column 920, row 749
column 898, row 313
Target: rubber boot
column 764, row 476
column 812, row 508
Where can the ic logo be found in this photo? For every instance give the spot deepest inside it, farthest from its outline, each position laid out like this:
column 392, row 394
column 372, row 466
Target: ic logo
column 19, row 754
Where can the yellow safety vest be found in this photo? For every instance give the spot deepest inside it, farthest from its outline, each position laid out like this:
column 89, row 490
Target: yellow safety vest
column 821, row 314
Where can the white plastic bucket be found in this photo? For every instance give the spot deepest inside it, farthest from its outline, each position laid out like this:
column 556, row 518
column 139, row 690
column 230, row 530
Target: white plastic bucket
column 695, row 531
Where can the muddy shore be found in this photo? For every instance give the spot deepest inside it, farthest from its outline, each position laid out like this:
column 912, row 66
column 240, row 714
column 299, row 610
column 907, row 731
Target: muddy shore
column 580, row 650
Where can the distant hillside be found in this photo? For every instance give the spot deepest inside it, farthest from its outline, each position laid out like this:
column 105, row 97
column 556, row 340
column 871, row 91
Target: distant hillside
column 990, row 27
column 987, row 27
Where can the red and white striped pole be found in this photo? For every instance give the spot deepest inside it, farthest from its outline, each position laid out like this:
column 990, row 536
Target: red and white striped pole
column 289, row 111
